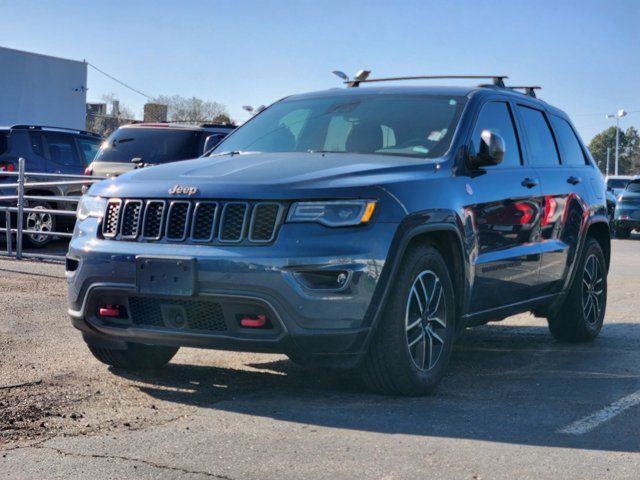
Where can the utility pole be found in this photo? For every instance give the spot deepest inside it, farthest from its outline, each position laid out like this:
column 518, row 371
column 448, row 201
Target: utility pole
column 618, row 115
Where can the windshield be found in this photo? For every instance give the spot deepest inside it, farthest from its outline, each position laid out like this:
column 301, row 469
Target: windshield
column 407, row 125
column 617, row 182
column 151, row 145
column 634, row 187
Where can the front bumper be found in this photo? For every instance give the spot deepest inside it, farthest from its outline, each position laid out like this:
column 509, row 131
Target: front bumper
column 329, row 323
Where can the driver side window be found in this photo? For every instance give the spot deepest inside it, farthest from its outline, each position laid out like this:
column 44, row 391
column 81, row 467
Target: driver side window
column 497, row 117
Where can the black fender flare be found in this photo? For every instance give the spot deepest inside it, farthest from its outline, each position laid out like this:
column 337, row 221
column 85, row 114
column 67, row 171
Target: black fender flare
column 407, row 231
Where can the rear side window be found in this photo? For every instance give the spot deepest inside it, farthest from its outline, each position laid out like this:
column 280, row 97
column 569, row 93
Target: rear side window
column 570, row 149
column 89, row 148
column 62, row 149
column 4, row 142
column 496, row 117
column 542, row 147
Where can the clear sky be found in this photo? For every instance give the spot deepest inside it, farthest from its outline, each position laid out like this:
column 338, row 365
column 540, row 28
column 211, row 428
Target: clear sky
column 585, row 54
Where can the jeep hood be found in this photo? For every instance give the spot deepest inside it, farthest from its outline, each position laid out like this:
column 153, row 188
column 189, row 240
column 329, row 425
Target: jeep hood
column 270, row 176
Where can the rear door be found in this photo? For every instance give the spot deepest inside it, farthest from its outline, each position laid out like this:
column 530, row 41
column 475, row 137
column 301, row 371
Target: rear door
column 561, row 166
column 507, row 216
column 63, row 154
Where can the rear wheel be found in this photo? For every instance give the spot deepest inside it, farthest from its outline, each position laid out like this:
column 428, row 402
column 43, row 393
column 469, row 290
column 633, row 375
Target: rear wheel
column 136, row 357
column 412, row 344
column 581, row 316
column 40, row 222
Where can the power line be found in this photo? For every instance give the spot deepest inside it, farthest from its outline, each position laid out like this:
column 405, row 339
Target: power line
column 120, row 82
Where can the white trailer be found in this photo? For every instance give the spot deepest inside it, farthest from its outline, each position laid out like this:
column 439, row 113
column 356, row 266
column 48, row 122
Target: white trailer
column 42, row 90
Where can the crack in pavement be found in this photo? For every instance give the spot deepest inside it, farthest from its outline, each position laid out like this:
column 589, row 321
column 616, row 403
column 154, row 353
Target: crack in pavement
column 134, row 460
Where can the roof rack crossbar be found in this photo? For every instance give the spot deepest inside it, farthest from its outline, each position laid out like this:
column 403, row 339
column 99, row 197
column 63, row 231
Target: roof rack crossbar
column 57, row 129
column 498, row 80
column 528, row 90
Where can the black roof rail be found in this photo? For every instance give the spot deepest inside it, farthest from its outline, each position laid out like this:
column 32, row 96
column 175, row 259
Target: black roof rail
column 528, row 90
column 361, row 77
column 57, row 129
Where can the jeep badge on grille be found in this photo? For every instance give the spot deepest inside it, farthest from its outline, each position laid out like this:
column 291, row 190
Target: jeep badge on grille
column 179, row 189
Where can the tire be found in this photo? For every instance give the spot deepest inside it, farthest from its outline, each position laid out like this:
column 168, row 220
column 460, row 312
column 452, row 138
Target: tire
column 623, row 233
column 580, row 317
column 391, row 365
column 136, row 357
column 40, row 222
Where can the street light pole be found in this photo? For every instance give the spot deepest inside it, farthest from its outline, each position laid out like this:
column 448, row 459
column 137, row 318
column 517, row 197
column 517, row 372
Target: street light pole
column 618, row 115
column 608, row 156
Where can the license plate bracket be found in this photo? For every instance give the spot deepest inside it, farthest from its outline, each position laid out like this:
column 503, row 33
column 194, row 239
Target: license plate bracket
column 174, row 276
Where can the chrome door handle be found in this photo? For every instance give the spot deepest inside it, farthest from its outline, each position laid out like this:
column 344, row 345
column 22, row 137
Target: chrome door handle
column 529, row 182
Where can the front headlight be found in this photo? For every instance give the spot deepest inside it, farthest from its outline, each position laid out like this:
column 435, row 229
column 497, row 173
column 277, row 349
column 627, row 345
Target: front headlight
column 339, row 213
column 90, row 206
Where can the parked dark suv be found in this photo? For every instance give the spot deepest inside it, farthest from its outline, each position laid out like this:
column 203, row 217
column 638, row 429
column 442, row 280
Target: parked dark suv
column 627, row 214
column 357, row 227
column 145, row 144
column 46, row 150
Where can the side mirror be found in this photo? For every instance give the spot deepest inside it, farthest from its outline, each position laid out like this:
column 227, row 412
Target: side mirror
column 212, row 140
column 491, row 150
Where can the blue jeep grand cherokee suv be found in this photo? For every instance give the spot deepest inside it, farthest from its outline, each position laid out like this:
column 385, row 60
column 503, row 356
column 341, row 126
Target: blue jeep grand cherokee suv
column 357, row 227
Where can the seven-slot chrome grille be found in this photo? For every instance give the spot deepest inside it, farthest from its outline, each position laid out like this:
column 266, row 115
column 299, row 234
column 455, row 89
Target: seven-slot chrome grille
column 193, row 221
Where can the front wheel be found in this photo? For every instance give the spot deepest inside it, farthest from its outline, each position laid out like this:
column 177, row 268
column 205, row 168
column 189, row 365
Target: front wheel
column 580, row 317
column 411, row 347
column 136, row 357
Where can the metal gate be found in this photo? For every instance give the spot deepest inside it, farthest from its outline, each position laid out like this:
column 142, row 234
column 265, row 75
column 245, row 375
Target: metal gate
column 16, row 206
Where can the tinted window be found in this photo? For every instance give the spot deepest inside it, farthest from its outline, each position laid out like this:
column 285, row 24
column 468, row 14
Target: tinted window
column 4, row 142
column 152, row 145
column 36, row 143
column 633, row 187
column 89, row 148
column 62, row 149
column 570, row 151
column 540, row 143
column 617, row 182
column 405, row 125
column 496, row 117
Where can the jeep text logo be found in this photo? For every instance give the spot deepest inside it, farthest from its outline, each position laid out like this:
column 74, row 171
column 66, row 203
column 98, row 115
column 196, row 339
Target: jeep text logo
column 180, row 190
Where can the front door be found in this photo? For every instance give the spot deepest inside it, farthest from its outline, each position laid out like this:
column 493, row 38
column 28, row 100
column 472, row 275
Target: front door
column 506, row 213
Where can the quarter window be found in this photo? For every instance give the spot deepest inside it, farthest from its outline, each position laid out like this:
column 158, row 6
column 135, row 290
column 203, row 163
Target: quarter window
column 541, row 145
column 4, row 142
column 570, row 150
column 89, row 149
column 496, row 117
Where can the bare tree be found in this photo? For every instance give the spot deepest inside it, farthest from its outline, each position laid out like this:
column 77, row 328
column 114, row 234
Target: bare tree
column 123, row 111
column 193, row 109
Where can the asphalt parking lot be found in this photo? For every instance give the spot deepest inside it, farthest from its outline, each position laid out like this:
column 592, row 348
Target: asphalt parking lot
column 515, row 404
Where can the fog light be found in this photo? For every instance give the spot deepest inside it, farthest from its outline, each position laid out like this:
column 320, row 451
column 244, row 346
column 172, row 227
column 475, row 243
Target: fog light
column 324, row 279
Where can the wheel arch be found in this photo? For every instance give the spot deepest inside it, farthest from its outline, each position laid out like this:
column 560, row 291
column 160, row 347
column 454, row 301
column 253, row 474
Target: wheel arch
column 447, row 238
column 43, row 193
column 600, row 232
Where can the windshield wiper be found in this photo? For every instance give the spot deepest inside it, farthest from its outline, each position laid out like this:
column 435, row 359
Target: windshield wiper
column 232, row 153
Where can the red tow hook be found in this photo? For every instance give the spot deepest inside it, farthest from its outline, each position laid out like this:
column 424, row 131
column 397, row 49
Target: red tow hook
column 258, row 322
column 109, row 311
